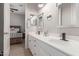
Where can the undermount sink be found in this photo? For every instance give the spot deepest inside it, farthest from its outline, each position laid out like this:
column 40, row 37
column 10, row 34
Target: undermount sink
column 52, row 37
column 57, row 40
column 61, row 42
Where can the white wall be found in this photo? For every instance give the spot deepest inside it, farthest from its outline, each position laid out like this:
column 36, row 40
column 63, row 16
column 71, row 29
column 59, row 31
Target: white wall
column 51, row 25
column 18, row 19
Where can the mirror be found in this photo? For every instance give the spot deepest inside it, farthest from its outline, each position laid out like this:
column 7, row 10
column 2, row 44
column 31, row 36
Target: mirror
column 35, row 20
column 68, row 15
column 40, row 23
column 40, row 19
column 32, row 20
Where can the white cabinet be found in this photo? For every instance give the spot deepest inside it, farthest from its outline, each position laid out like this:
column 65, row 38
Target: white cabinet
column 35, row 48
column 42, row 52
column 40, row 48
column 31, row 45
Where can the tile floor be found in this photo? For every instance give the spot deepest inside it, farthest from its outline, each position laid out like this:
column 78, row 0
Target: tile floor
column 19, row 50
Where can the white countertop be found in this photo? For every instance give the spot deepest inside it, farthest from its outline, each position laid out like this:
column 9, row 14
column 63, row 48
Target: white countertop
column 70, row 47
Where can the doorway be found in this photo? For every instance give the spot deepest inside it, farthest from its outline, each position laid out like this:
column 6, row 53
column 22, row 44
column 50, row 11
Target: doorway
column 17, row 29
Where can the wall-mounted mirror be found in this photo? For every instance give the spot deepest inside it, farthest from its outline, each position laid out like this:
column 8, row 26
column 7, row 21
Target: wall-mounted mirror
column 40, row 19
column 65, row 14
column 32, row 20
column 40, row 22
column 68, row 15
column 49, row 17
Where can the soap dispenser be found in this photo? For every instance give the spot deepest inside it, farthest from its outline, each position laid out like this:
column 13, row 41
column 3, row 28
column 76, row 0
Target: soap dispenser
column 64, row 37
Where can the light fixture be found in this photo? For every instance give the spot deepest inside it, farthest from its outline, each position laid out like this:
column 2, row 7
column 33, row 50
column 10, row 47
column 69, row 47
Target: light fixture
column 40, row 5
column 21, row 5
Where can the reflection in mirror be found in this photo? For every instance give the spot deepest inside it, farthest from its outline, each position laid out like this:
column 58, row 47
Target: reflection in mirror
column 40, row 19
column 32, row 20
column 36, row 21
column 40, row 22
column 49, row 17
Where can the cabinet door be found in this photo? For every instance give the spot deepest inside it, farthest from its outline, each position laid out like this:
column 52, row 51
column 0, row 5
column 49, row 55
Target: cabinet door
column 29, row 43
column 32, row 44
column 35, row 48
column 40, row 51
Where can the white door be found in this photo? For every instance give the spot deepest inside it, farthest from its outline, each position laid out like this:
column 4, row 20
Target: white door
column 6, row 29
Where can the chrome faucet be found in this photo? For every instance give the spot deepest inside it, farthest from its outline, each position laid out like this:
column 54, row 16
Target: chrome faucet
column 45, row 33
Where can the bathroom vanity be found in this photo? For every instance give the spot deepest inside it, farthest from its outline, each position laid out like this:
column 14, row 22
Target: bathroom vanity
column 51, row 46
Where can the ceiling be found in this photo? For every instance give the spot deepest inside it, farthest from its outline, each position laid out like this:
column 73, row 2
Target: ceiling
column 34, row 5
column 19, row 6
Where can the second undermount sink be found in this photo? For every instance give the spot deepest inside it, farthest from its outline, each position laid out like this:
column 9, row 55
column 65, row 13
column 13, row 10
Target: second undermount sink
column 61, row 42
column 57, row 40
column 51, row 37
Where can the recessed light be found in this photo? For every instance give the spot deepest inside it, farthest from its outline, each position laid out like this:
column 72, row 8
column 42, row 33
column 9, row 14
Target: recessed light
column 11, row 5
column 40, row 5
column 20, row 5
